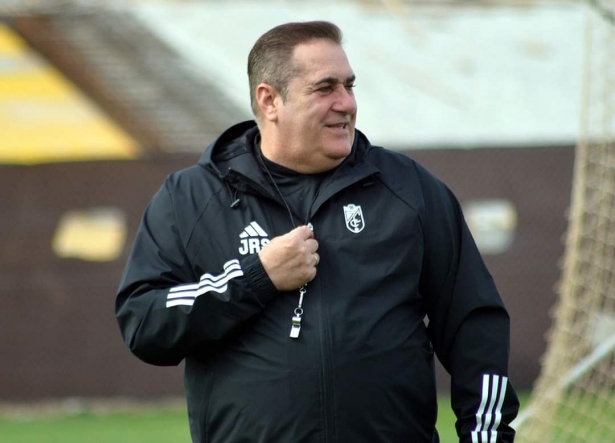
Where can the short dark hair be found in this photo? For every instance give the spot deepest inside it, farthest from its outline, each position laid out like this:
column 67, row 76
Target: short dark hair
column 270, row 60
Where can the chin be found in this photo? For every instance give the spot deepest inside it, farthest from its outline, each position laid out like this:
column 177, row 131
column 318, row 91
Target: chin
column 339, row 151
column 338, row 147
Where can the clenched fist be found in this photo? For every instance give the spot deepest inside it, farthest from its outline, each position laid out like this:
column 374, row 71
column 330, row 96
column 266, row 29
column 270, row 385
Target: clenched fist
column 290, row 260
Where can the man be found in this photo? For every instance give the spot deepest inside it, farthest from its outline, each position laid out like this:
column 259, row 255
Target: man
column 294, row 266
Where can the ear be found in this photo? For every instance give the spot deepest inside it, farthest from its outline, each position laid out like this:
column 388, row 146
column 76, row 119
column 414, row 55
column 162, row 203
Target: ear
column 267, row 99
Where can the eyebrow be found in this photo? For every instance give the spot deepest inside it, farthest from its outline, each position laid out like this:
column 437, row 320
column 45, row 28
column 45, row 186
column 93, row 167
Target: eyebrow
column 350, row 79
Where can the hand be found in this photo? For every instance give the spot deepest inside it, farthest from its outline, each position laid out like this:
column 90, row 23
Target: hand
column 290, row 260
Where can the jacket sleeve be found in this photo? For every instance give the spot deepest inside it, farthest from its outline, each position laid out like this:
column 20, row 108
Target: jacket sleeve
column 468, row 322
column 164, row 310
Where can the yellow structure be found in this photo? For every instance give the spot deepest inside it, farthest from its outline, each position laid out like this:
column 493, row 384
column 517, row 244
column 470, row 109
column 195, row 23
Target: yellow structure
column 97, row 234
column 44, row 118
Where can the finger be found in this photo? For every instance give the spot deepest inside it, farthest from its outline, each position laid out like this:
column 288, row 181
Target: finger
column 311, row 245
column 316, row 259
column 303, row 232
column 312, row 275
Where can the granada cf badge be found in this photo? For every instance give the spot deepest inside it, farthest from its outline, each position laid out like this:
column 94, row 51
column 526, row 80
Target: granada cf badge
column 354, row 218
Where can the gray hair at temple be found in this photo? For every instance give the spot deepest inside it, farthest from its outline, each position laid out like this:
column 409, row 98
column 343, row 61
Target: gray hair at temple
column 270, row 60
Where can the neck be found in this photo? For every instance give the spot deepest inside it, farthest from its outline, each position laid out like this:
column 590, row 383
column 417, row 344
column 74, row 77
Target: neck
column 274, row 150
column 291, row 156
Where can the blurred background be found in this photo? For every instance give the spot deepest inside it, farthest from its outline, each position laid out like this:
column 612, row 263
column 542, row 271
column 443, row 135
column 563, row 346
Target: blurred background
column 99, row 101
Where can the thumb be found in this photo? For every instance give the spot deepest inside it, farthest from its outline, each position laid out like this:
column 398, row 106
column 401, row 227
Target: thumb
column 303, row 232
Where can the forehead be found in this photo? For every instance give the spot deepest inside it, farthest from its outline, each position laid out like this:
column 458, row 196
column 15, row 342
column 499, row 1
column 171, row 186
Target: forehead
column 322, row 58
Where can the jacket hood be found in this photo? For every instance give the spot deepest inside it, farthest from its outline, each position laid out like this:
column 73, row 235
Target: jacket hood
column 231, row 147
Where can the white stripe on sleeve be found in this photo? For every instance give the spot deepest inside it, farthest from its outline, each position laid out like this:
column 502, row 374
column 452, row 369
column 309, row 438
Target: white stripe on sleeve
column 498, row 410
column 488, row 420
column 481, row 409
column 185, row 295
column 492, row 403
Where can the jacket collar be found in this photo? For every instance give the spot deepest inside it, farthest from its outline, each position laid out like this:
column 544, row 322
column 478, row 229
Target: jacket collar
column 234, row 150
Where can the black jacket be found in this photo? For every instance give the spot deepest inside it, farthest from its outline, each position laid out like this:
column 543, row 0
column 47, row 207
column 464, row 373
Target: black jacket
column 394, row 249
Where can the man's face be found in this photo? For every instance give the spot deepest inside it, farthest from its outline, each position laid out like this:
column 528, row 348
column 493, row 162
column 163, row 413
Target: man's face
column 316, row 122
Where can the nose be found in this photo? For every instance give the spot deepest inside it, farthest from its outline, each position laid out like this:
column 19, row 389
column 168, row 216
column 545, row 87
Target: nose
column 345, row 102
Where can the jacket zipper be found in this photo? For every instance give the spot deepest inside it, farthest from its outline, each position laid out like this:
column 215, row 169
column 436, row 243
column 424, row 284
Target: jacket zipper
column 326, row 373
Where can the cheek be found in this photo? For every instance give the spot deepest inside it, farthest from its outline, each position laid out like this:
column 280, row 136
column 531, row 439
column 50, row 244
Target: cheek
column 353, row 118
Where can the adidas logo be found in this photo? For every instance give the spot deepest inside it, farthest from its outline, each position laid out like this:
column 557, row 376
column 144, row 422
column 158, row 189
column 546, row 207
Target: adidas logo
column 253, row 239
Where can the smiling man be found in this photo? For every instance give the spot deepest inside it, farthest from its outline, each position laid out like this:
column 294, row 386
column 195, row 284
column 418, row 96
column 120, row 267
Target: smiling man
column 293, row 269
column 309, row 126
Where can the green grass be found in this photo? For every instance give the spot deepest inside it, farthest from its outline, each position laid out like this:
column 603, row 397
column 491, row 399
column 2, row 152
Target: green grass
column 163, row 426
column 168, row 425
column 446, row 421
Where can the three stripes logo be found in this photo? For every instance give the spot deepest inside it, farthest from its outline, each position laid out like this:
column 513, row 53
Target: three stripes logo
column 186, row 294
column 489, row 414
column 253, row 239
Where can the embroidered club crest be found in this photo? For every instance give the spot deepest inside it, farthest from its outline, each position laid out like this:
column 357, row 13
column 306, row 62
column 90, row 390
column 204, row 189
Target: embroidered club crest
column 354, row 218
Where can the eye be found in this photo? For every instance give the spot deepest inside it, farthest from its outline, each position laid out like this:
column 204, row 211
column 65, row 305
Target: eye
column 325, row 89
column 350, row 86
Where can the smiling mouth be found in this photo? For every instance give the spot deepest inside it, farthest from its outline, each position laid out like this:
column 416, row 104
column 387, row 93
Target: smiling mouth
column 338, row 126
